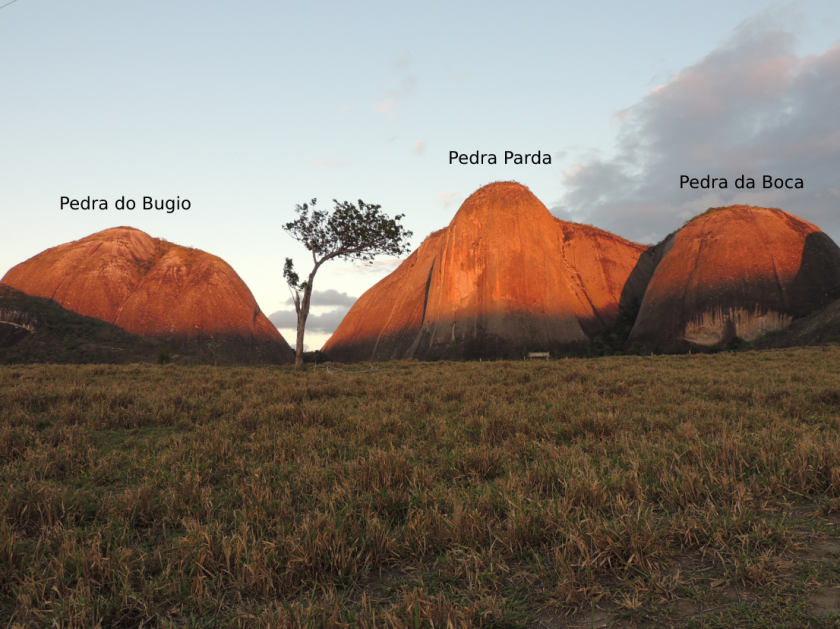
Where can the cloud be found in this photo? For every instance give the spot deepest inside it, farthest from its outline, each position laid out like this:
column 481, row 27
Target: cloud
column 329, row 297
column 385, row 106
column 326, row 322
column 329, row 163
column 751, row 107
column 344, row 109
column 385, row 265
column 389, row 100
column 403, row 62
column 283, row 319
column 386, row 103
column 419, row 147
column 454, row 73
column 448, row 198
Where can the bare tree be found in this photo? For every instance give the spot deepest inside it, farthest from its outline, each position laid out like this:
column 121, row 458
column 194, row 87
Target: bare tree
column 348, row 232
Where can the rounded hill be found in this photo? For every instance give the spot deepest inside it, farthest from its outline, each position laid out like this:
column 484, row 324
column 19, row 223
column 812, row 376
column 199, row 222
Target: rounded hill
column 504, row 278
column 738, row 271
column 153, row 288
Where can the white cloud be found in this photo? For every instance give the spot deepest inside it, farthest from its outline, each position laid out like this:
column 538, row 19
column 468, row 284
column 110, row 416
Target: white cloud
column 389, row 100
column 374, row 267
column 448, row 198
column 752, row 106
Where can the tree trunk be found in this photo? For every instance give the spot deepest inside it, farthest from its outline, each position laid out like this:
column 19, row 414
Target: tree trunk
column 303, row 313
column 299, row 364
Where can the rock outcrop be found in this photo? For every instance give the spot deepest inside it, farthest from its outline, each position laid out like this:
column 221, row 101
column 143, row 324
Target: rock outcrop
column 734, row 272
column 15, row 325
column 818, row 328
column 505, row 277
column 154, row 289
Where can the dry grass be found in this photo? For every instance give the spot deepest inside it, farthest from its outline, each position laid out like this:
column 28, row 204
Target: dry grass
column 690, row 490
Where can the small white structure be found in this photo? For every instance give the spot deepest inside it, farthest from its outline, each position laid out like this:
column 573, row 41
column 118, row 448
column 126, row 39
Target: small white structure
column 532, row 355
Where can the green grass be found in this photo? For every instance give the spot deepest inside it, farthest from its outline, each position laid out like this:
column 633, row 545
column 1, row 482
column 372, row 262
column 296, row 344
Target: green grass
column 693, row 491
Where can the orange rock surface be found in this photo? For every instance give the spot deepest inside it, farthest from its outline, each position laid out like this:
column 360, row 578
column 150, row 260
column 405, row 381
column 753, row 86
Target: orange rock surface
column 736, row 271
column 505, row 277
column 156, row 289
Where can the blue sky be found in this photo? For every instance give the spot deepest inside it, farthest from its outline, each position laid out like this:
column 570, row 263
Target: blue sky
column 248, row 109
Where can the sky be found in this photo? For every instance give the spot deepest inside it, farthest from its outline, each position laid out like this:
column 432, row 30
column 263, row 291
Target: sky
column 248, row 109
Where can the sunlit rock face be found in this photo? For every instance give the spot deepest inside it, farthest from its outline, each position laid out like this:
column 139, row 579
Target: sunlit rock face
column 93, row 276
column 736, row 271
column 504, row 278
column 155, row 289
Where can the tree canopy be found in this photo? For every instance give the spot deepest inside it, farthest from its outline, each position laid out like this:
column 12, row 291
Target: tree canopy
column 349, row 232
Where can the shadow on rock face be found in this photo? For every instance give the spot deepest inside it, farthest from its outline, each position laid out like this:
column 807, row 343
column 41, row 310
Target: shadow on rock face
column 822, row 326
column 637, row 282
column 814, row 297
column 817, row 283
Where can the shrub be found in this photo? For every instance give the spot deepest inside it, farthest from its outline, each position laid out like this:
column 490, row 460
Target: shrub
column 163, row 357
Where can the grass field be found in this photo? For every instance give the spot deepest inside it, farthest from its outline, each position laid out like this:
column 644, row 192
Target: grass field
column 696, row 491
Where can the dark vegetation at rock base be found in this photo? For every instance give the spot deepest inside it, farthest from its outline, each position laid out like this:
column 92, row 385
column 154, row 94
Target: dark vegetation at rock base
column 56, row 335
column 316, row 357
column 612, row 342
column 818, row 328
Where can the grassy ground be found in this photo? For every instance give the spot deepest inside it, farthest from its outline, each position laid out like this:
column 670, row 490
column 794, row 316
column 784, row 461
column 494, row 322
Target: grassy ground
column 689, row 491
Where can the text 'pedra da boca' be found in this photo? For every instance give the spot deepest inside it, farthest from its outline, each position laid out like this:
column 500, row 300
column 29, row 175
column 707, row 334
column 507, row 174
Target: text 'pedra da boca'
column 742, row 182
column 490, row 158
